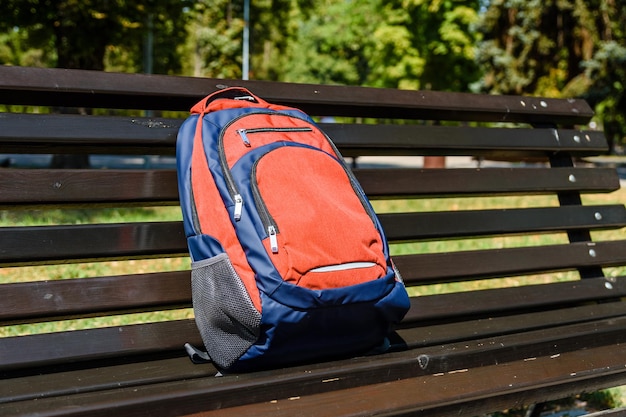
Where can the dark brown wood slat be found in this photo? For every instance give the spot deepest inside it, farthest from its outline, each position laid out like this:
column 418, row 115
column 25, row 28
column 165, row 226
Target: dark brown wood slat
column 414, row 182
column 474, row 394
column 73, row 347
column 499, row 263
column 172, row 369
column 37, row 301
column 64, row 299
column 221, row 393
column 116, row 376
column 363, row 139
column 50, row 244
column 140, row 187
column 471, row 330
column 61, row 187
column 47, row 244
column 53, row 133
column 60, row 87
column 502, row 301
column 45, row 133
column 406, row 227
column 54, row 348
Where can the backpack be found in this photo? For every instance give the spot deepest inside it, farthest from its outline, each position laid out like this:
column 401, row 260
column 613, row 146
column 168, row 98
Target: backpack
column 289, row 262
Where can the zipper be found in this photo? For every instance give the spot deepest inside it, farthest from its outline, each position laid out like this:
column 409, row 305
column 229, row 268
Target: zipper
column 246, row 141
column 228, row 176
column 344, row 267
column 194, row 212
column 269, row 224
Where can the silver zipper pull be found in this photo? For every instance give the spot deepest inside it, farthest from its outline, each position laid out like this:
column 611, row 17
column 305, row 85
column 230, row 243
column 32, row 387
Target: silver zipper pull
column 244, row 137
column 238, row 206
column 273, row 239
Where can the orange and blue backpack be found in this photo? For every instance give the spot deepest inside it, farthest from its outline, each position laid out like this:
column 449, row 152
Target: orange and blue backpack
column 289, row 261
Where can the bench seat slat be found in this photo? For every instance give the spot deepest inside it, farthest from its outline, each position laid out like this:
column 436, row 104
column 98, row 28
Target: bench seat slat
column 77, row 381
column 221, row 393
column 65, row 299
column 497, row 263
column 473, row 389
column 113, row 188
column 62, row 87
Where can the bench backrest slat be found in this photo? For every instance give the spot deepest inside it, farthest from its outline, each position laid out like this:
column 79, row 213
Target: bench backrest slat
column 138, row 240
column 114, row 188
column 92, row 242
column 468, row 265
column 135, row 91
column 30, row 302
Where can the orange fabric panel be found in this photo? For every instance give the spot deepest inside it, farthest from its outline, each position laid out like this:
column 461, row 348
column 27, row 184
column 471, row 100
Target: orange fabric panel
column 214, row 219
column 333, row 229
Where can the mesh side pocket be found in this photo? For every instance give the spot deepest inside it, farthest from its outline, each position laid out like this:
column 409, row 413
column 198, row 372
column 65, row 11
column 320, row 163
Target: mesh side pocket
column 227, row 319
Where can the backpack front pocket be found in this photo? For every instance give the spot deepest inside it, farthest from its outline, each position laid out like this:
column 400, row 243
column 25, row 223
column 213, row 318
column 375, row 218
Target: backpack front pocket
column 319, row 232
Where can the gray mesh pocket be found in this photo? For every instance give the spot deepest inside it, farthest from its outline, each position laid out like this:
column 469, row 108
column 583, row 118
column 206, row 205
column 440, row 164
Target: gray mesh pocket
column 227, row 319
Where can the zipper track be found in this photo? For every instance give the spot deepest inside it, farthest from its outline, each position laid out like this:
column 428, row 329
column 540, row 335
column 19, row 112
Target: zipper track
column 261, row 207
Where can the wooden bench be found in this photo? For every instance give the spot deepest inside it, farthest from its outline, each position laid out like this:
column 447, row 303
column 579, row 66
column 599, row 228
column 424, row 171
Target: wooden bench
column 466, row 351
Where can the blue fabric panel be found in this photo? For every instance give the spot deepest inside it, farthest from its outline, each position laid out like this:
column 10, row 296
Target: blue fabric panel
column 293, row 336
column 184, row 150
column 203, row 247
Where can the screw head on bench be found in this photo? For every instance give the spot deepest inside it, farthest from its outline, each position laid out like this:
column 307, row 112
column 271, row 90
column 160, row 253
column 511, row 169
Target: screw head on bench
column 423, row 361
column 572, row 178
column 598, row 215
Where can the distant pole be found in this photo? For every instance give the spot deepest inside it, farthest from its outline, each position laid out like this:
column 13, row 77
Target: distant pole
column 245, row 66
column 148, row 45
column 148, row 52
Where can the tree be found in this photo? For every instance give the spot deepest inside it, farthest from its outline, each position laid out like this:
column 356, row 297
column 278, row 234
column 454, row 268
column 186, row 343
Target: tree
column 398, row 44
column 82, row 30
column 213, row 45
column 559, row 48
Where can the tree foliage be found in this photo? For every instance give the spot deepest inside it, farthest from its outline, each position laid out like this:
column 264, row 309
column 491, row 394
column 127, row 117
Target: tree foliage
column 554, row 48
column 559, row 48
column 401, row 43
column 83, row 33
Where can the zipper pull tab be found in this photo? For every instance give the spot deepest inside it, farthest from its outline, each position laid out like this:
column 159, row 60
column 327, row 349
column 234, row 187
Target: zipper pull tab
column 238, row 207
column 244, row 137
column 273, row 239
